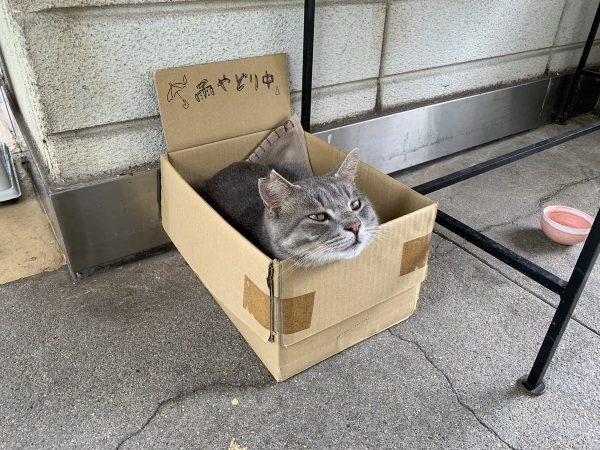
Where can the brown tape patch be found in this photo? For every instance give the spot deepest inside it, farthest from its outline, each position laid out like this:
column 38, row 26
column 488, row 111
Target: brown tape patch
column 297, row 311
column 414, row 254
column 256, row 302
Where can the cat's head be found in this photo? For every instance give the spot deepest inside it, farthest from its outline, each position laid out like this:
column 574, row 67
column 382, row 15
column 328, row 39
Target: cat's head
column 318, row 220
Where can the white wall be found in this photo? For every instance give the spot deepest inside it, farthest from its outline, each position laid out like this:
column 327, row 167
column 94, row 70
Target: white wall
column 82, row 69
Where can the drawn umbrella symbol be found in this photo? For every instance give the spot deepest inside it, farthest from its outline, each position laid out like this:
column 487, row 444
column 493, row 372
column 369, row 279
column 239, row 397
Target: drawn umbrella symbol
column 174, row 89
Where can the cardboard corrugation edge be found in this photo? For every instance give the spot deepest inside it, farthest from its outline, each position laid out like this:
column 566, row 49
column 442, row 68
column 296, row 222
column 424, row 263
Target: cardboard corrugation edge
column 434, row 216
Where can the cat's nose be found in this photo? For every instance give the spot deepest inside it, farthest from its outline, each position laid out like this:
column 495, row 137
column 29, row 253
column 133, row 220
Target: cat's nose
column 354, row 227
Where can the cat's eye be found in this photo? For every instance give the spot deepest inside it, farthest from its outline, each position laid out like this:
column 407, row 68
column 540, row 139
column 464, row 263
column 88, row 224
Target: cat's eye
column 355, row 205
column 320, row 217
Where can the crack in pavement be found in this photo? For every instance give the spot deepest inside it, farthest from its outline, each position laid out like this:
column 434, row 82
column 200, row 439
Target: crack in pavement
column 450, row 383
column 563, row 187
column 182, row 396
column 540, row 202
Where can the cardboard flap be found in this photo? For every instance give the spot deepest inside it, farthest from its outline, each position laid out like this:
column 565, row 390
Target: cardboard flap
column 210, row 102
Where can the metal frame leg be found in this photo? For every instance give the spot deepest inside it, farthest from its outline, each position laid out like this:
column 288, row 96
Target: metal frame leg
column 561, row 115
column 534, row 382
column 307, row 62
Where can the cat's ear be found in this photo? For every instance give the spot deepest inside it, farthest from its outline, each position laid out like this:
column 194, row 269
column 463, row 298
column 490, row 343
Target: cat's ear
column 347, row 169
column 274, row 190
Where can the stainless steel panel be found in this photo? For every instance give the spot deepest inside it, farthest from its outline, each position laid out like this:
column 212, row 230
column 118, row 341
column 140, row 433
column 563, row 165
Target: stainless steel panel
column 397, row 141
column 104, row 222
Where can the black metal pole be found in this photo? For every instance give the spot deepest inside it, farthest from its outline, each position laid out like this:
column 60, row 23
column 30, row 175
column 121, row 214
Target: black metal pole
column 561, row 115
column 534, row 382
column 497, row 250
column 469, row 172
column 307, row 62
column 590, row 73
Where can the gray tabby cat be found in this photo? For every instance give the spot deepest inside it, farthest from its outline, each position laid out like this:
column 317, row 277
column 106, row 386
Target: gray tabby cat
column 292, row 214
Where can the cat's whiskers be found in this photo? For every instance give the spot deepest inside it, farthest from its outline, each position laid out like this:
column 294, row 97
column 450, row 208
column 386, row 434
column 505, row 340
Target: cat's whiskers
column 304, row 256
column 383, row 235
column 318, row 254
column 335, row 243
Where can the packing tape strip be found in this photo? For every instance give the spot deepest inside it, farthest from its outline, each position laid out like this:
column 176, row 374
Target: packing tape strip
column 414, row 254
column 297, row 311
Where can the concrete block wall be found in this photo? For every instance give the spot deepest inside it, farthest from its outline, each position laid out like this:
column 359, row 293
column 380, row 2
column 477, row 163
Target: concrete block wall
column 82, row 69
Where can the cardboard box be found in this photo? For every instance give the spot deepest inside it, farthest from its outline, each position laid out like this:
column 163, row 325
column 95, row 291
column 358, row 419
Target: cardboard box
column 215, row 114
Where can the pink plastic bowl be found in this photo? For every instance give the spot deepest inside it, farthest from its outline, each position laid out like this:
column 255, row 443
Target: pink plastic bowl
column 567, row 226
